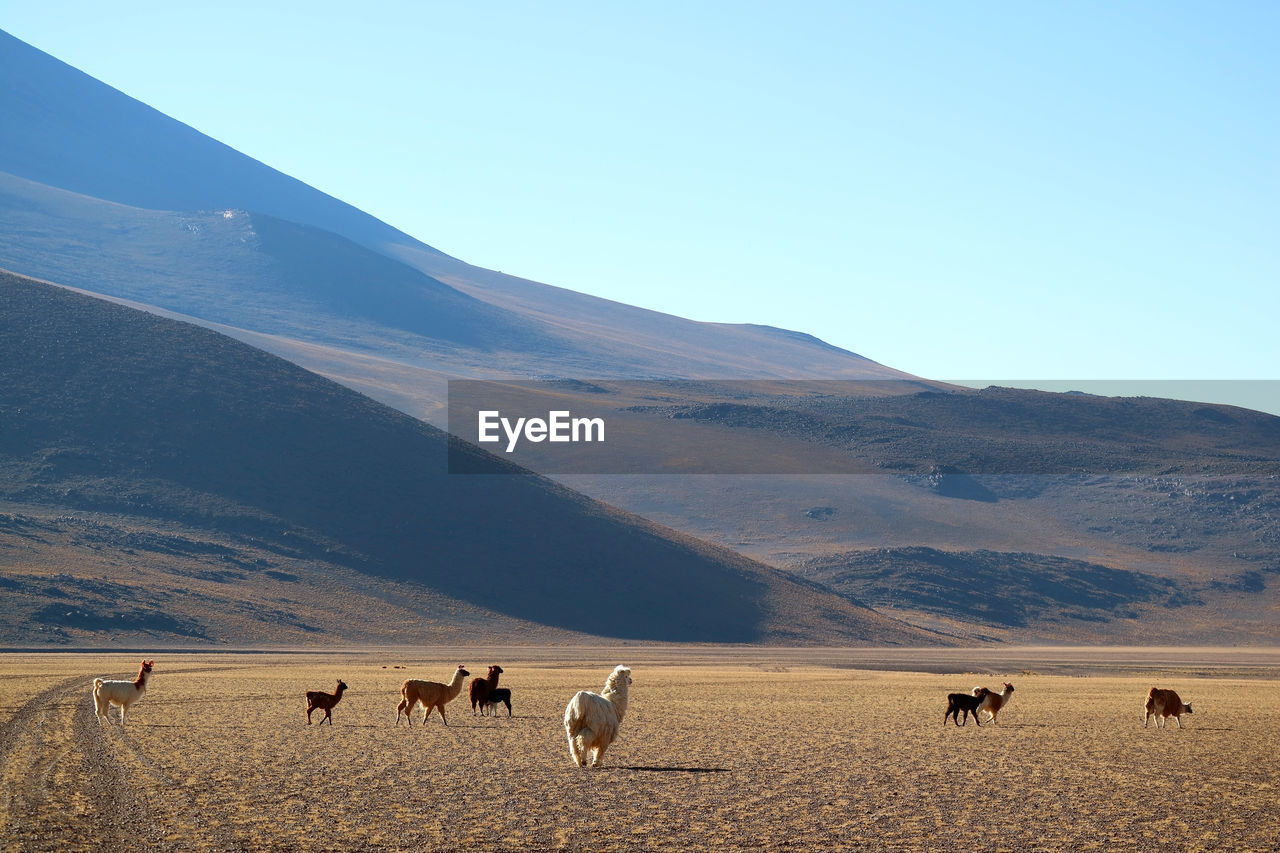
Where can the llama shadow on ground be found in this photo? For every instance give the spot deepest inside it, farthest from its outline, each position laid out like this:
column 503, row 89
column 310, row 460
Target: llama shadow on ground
column 649, row 769
column 1203, row 728
column 469, row 723
column 197, row 725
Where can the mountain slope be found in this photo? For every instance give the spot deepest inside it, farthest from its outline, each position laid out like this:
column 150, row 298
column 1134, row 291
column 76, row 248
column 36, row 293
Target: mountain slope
column 66, row 133
column 1002, row 590
column 232, row 266
column 117, row 412
column 66, row 129
column 983, row 508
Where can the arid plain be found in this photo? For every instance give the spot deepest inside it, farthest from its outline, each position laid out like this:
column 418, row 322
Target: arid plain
column 721, row 749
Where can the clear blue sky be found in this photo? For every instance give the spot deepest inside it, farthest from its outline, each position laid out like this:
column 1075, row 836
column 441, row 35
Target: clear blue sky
column 961, row 190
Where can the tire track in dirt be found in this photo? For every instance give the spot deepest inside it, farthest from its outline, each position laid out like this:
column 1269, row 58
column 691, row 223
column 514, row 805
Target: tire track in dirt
column 146, row 802
column 73, row 783
column 121, row 812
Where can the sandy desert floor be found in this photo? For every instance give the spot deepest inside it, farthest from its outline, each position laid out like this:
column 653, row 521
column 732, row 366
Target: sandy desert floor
column 720, row 750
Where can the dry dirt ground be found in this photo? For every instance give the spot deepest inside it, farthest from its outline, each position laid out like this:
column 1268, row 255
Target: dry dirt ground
column 720, row 750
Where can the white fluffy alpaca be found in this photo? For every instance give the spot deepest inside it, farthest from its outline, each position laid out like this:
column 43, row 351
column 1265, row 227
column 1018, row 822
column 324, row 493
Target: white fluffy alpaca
column 591, row 721
column 122, row 693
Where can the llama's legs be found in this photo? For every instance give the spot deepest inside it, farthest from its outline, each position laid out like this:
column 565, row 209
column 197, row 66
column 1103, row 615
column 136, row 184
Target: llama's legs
column 309, row 710
column 598, row 754
column 577, row 748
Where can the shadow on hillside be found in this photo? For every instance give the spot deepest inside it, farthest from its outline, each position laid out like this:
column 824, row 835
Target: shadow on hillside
column 181, row 424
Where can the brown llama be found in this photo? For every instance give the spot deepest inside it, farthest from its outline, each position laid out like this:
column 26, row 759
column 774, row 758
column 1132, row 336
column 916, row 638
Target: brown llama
column 432, row 695
column 1163, row 704
column 482, row 687
column 325, row 702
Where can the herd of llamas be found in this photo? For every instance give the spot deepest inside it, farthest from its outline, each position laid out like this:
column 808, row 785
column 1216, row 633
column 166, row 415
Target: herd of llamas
column 591, row 720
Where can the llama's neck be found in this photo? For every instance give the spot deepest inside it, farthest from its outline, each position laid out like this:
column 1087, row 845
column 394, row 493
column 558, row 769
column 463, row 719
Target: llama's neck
column 140, row 683
column 337, row 691
column 493, row 680
column 619, row 700
column 454, row 687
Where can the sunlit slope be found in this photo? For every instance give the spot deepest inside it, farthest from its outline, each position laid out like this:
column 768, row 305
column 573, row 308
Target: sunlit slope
column 292, row 261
